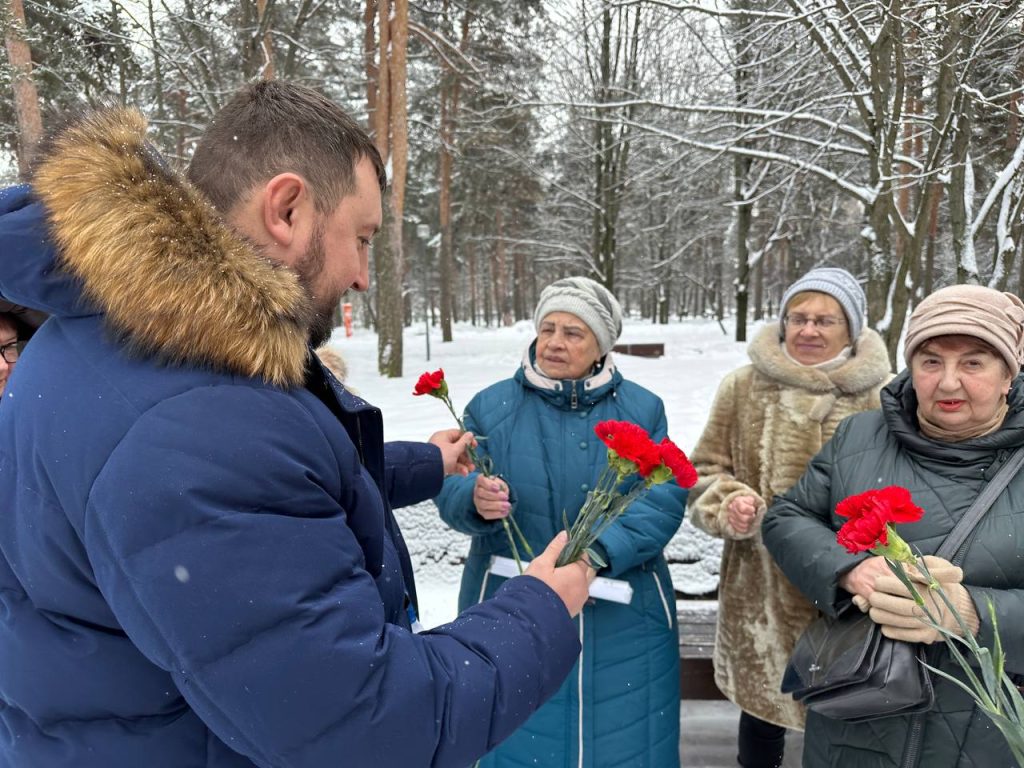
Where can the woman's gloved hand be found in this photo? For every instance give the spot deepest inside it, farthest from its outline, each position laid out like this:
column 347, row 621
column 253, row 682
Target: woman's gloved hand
column 861, row 581
column 892, row 607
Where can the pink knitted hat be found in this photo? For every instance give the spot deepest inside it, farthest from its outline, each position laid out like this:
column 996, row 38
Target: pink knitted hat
column 970, row 310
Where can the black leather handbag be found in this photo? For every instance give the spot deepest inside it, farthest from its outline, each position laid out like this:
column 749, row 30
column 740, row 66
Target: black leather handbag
column 844, row 668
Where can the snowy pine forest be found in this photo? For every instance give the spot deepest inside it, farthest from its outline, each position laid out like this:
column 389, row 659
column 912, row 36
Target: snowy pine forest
column 694, row 157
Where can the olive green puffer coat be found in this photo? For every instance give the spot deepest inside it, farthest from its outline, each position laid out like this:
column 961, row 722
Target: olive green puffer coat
column 881, row 448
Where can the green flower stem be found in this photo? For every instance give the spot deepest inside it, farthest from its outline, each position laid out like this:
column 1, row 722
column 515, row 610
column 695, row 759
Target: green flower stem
column 512, row 544
column 994, row 692
column 511, row 520
column 603, row 506
column 508, row 523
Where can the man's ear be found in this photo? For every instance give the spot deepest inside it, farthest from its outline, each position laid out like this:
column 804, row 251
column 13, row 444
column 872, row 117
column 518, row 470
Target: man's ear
column 284, row 199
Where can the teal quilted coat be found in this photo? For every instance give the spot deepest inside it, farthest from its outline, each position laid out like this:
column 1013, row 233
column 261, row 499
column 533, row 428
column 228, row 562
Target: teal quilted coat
column 620, row 705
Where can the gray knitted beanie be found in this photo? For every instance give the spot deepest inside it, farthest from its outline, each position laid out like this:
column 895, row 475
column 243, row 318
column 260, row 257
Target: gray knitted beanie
column 588, row 300
column 841, row 286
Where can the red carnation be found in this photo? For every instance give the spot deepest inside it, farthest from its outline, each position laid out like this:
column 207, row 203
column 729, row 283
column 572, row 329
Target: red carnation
column 431, row 384
column 631, row 443
column 870, row 513
column 675, row 459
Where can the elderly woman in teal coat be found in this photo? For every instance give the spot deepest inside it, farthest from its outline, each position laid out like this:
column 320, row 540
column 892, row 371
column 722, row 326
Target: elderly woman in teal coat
column 620, row 705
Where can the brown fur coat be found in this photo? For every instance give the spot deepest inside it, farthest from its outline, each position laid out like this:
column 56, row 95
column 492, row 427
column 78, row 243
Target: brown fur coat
column 768, row 420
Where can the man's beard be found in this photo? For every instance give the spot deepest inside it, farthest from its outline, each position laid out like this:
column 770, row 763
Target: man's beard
column 309, row 268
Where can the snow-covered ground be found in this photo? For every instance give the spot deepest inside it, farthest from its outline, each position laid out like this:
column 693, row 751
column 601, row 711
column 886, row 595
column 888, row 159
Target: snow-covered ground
column 697, row 356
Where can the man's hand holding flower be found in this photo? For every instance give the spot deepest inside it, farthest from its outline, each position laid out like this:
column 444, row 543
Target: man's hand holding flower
column 455, row 445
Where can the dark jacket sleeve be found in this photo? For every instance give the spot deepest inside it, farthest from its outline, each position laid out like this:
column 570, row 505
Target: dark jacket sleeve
column 219, row 534
column 455, row 502
column 799, row 534
column 646, row 527
column 413, row 472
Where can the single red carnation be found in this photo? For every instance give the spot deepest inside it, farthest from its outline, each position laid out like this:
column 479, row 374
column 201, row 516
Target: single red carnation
column 430, row 383
column 869, row 515
column 631, row 443
column 675, row 459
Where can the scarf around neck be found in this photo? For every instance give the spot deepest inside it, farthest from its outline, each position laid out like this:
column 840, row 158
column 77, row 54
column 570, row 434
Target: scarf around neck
column 935, row 432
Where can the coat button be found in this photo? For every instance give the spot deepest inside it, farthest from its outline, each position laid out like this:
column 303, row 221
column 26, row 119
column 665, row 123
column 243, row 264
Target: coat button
column 583, row 443
column 583, row 415
column 584, row 487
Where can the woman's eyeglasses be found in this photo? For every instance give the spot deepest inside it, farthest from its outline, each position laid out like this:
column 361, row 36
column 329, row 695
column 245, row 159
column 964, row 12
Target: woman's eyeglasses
column 12, row 351
column 825, row 323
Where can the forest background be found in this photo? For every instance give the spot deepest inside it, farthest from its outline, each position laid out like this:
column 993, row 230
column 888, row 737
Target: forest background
column 693, row 157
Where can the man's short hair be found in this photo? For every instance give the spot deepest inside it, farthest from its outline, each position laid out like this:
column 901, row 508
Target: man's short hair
column 271, row 127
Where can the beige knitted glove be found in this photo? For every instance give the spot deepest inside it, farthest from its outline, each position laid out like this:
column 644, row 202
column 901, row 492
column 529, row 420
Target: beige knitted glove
column 941, row 570
column 902, row 619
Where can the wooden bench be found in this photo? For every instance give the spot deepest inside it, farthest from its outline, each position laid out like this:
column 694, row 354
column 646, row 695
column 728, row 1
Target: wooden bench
column 697, row 620
column 650, row 349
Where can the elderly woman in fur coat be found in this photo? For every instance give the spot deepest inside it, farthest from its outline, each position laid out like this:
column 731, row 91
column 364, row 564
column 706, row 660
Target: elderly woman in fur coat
column 768, row 420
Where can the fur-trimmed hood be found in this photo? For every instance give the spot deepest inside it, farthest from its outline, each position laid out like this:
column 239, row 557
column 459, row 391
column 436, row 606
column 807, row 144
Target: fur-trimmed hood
column 868, row 367
column 171, row 277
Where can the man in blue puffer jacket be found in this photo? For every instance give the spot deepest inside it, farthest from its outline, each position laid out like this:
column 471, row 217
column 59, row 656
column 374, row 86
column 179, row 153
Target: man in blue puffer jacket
column 199, row 567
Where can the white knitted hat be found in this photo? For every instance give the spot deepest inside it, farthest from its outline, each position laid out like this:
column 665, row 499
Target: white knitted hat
column 588, row 300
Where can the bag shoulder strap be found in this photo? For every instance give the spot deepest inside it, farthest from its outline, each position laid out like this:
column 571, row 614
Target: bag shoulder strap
column 951, row 545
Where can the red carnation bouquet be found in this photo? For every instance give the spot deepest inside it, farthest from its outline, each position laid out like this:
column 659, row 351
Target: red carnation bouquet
column 871, row 516
column 869, row 528
column 631, row 453
column 435, row 385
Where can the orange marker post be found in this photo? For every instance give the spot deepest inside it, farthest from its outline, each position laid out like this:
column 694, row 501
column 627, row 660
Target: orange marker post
column 346, row 313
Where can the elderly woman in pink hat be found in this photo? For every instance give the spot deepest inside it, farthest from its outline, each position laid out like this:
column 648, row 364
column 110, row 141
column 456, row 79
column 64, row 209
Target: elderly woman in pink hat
column 947, row 424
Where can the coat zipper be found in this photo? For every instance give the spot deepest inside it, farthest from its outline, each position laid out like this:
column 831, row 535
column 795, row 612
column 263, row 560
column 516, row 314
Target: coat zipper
column 915, row 736
column 359, row 441
column 574, row 399
column 579, row 700
column 661, row 594
column 913, row 746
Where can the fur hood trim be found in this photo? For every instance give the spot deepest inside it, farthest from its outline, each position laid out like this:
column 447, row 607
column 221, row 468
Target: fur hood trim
column 867, row 368
column 173, row 279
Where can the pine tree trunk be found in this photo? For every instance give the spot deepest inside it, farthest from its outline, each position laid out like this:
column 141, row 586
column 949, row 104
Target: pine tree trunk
column 391, row 136
column 744, row 218
column 501, row 297
column 26, row 98
column 382, row 111
column 451, row 85
column 759, row 269
column 263, row 41
column 370, row 62
column 471, row 257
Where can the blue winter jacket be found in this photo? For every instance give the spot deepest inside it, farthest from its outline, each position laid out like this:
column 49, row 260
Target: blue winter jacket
column 620, row 707
column 199, row 567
